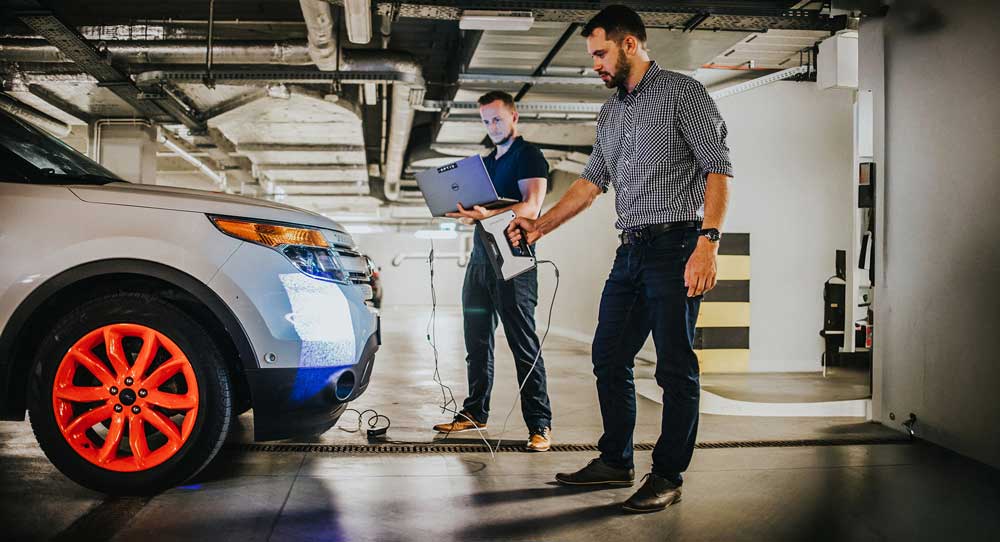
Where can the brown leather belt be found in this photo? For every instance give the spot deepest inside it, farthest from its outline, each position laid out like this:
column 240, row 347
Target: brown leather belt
column 647, row 233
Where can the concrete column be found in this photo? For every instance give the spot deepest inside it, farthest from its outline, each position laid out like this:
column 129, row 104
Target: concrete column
column 128, row 149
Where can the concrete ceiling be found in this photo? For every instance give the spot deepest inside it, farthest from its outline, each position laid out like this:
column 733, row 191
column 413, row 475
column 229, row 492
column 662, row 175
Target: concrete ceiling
column 300, row 142
column 672, row 49
column 319, row 146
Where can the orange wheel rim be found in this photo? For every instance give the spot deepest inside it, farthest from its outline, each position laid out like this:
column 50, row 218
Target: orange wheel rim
column 125, row 397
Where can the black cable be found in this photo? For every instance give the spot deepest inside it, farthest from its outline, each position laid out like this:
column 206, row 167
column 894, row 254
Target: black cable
column 372, row 421
column 448, row 403
column 447, row 396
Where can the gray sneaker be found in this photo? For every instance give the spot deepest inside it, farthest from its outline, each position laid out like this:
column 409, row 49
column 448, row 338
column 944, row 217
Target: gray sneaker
column 598, row 472
column 655, row 494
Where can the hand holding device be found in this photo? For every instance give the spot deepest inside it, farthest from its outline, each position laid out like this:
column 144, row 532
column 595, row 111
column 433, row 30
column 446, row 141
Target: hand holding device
column 500, row 247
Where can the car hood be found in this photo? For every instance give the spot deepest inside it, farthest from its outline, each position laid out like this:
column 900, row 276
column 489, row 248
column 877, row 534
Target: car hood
column 200, row 201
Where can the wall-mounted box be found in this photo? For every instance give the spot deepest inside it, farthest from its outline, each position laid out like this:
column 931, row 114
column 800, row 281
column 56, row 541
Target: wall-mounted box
column 837, row 63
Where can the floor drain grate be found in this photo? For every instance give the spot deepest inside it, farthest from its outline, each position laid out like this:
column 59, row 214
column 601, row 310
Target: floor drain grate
column 424, row 448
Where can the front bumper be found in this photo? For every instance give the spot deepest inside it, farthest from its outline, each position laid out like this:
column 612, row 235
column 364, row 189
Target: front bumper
column 314, row 341
column 306, row 401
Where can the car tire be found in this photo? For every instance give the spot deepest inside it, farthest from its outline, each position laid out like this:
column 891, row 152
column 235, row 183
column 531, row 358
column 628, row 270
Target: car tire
column 90, row 408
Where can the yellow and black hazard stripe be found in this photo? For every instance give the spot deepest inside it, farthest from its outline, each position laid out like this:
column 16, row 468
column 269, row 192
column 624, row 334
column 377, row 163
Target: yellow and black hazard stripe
column 722, row 337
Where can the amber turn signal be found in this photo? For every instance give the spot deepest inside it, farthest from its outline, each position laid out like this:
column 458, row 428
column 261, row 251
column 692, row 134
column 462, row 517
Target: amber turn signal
column 270, row 235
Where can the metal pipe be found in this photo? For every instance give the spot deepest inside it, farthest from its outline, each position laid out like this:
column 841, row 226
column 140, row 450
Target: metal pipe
column 400, row 257
column 211, row 36
column 290, row 53
column 402, row 112
column 385, row 128
column 358, row 19
column 168, row 142
column 324, row 51
column 34, row 116
column 530, row 107
column 256, row 76
column 398, row 68
column 504, row 79
column 319, row 22
column 400, row 125
column 286, row 53
column 76, row 77
column 386, row 25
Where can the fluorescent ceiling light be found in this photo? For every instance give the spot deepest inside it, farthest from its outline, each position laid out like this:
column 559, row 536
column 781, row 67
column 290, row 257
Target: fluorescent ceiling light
column 358, row 15
column 477, row 19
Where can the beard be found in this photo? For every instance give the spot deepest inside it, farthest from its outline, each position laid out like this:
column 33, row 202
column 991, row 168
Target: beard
column 622, row 70
column 505, row 139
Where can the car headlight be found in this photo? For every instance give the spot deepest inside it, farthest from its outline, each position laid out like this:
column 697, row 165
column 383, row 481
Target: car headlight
column 306, row 248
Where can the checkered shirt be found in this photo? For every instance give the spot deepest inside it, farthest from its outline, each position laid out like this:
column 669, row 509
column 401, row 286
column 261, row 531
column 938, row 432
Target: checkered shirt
column 656, row 145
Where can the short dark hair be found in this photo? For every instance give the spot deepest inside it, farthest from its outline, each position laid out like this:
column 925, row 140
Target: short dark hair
column 617, row 21
column 495, row 95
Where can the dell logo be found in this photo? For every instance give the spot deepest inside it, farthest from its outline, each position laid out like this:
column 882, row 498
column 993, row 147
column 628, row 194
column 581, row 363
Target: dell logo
column 454, row 187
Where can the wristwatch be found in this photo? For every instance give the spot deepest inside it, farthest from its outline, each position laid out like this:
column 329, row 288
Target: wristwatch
column 712, row 234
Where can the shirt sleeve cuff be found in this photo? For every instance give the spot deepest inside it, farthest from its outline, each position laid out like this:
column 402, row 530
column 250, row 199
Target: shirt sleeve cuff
column 721, row 169
column 603, row 185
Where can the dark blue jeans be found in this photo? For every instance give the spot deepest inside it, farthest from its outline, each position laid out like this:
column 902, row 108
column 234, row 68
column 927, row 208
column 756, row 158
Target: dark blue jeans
column 484, row 299
column 645, row 293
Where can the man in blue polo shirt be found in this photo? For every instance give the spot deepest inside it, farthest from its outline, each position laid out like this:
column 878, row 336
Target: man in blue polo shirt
column 519, row 172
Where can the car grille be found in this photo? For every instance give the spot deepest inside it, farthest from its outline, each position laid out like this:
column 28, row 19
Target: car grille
column 357, row 268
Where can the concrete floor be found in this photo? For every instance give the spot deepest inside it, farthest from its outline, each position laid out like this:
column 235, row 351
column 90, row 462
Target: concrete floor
column 402, row 388
column 838, row 384
column 909, row 491
column 881, row 492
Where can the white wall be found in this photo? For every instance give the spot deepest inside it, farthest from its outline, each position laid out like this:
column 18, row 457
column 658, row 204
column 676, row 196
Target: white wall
column 130, row 152
column 937, row 304
column 409, row 284
column 583, row 248
column 791, row 148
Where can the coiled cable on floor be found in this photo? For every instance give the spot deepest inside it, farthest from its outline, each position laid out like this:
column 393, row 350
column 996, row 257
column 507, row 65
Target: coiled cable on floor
column 374, row 431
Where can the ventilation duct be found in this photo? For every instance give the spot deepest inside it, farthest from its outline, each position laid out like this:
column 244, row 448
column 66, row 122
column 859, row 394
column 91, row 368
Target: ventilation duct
column 323, row 48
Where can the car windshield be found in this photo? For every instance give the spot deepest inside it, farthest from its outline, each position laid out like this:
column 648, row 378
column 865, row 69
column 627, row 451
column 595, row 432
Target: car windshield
column 43, row 159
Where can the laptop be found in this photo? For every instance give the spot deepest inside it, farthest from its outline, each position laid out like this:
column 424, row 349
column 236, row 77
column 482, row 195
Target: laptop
column 466, row 182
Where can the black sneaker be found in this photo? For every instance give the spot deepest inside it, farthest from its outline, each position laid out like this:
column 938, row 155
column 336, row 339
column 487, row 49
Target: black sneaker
column 655, row 494
column 598, row 472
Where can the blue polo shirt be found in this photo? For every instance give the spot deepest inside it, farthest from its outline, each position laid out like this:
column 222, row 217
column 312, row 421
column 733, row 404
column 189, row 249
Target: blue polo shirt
column 521, row 161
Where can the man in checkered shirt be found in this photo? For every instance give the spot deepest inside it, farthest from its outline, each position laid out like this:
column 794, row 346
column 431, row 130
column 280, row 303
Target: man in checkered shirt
column 662, row 144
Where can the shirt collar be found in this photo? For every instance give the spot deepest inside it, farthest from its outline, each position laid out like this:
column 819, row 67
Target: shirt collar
column 517, row 141
column 651, row 72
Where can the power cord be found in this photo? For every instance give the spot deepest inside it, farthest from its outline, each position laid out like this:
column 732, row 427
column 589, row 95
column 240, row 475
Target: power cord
column 374, row 432
column 448, row 403
column 548, row 326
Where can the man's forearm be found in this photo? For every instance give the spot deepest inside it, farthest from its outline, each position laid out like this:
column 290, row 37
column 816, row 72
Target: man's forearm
column 579, row 196
column 716, row 201
column 527, row 209
column 530, row 207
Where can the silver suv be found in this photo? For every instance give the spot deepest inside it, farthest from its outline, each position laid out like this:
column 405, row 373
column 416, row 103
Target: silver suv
column 138, row 320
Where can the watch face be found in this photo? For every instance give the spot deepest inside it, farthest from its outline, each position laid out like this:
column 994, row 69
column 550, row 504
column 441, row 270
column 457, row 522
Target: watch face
column 712, row 234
